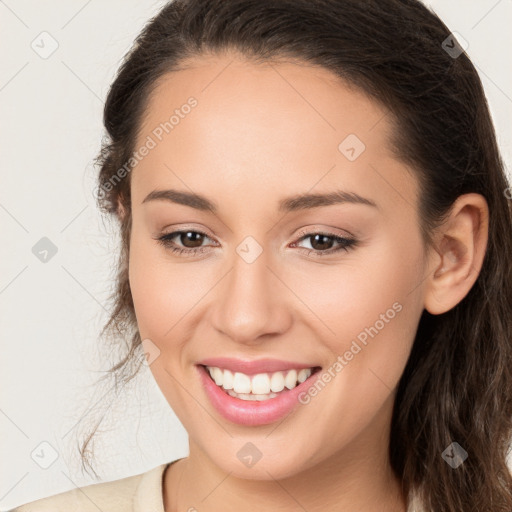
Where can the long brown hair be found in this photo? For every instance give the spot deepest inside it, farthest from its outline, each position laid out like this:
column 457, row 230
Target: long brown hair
column 457, row 385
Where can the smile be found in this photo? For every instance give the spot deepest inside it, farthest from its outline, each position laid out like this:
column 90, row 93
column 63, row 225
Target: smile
column 257, row 397
column 262, row 386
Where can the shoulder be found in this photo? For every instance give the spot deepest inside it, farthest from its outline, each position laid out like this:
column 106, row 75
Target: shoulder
column 124, row 495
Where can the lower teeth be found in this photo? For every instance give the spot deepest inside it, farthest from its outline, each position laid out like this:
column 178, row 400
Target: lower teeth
column 250, row 396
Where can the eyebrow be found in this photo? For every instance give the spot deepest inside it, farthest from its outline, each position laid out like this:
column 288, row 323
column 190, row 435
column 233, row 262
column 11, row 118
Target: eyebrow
column 289, row 204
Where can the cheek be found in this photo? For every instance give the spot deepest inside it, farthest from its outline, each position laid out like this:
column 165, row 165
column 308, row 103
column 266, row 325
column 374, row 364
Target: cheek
column 162, row 292
column 366, row 310
column 368, row 322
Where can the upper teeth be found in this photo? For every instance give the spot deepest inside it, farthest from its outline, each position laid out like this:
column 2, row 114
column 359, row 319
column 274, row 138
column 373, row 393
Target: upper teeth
column 261, row 383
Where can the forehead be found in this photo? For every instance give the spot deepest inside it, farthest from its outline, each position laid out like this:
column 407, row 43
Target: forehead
column 261, row 128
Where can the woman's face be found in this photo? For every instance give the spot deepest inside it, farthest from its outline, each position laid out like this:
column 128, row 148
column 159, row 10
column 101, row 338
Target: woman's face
column 273, row 277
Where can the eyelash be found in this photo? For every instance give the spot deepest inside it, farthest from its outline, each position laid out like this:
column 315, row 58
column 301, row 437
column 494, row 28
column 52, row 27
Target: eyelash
column 346, row 244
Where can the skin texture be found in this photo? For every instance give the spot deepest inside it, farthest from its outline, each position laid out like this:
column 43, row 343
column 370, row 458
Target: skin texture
column 258, row 134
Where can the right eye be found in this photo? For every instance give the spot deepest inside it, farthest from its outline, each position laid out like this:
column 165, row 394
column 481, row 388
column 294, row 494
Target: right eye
column 192, row 237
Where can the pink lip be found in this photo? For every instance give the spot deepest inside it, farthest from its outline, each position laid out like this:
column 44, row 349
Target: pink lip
column 253, row 413
column 253, row 367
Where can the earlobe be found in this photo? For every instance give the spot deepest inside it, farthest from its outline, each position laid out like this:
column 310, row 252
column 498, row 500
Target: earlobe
column 459, row 254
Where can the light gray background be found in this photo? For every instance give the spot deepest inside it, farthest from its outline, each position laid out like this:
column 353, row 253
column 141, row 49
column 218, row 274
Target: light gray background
column 51, row 312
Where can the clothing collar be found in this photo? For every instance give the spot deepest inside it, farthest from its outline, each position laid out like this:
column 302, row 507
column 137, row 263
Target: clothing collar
column 149, row 496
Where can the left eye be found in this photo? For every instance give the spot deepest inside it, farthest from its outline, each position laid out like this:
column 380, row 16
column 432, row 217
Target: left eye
column 321, row 243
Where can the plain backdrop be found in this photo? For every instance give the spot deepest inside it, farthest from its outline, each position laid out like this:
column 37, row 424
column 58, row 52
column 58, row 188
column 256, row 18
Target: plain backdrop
column 51, row 312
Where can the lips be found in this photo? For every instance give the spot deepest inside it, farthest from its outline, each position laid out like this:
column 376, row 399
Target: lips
column 253, row 410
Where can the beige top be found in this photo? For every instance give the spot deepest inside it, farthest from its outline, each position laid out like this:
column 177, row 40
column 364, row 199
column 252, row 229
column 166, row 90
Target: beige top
column 139, row 493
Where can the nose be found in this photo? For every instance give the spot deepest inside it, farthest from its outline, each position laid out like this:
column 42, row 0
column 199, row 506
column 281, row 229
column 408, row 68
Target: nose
column 251, row 302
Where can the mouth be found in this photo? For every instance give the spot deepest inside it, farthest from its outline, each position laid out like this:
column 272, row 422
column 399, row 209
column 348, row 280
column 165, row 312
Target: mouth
column 252, row 399
column 261, row 386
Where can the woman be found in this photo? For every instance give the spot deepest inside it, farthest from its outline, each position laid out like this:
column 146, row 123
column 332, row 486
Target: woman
column 315, row 260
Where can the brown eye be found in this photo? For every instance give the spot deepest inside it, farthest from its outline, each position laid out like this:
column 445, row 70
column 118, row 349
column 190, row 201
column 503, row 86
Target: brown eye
column 191, row 239
column 184, row 242
column 321, row 242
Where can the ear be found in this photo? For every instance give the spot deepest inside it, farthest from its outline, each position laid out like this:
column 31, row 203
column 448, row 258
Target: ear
column 456, row 261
